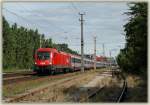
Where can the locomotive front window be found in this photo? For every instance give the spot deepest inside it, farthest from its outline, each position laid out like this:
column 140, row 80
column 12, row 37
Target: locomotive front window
column 43, row 55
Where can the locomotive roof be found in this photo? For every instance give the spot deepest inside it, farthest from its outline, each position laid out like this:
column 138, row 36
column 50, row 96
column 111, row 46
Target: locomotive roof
column 47, row 49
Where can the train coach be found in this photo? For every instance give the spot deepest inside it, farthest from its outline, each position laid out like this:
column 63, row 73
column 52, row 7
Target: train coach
column 50, row 60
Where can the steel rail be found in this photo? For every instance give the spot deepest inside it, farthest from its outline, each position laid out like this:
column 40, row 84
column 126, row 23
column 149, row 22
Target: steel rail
column 37, row 90
column 123, row 92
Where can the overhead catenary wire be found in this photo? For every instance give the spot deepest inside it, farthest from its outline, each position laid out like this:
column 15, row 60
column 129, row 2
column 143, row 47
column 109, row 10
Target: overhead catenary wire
column 75, row 8
column 12, row 22
column 18, row 16
column 28, row 21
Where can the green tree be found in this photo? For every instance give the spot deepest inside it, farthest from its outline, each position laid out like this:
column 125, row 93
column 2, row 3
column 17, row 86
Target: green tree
column 20, row 44
column 133, row 58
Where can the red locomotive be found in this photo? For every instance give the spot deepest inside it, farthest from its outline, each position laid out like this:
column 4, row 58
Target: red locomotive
column 50, row 60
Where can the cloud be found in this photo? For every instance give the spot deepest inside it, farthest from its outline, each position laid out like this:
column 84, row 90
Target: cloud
column 103, row 19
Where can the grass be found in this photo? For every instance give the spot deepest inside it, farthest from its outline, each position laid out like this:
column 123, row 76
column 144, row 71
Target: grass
column 12, row 90
column 15, row 70
column 109, row 91
column 136, row 92
column 58, row 93
column 9, row 90
column 137, row 89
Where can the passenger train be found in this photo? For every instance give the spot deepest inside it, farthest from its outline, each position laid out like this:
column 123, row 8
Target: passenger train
column 50, row 60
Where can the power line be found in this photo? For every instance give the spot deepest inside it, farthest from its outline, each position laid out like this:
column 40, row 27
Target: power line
column 28, row 21
column 98, row 44
column 19, row 16
column 46, row 21
column 75, row 8
column 31, row 21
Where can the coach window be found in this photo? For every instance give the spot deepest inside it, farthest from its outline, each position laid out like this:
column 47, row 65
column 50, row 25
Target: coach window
column 78, row 60
column 72, row 60
column 75, row 60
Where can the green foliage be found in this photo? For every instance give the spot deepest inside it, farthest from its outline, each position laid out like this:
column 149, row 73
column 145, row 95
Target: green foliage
column 133, row 58
column 20, row 44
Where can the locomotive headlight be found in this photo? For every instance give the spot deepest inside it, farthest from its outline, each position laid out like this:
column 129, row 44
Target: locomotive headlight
column 43, row 63
column 35, row 63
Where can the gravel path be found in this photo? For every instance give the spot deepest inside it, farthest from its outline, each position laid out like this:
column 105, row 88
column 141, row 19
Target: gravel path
column 96, row 80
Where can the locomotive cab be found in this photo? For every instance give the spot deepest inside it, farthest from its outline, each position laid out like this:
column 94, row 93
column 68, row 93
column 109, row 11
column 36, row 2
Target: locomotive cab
column 43, row 58
column 43, row 61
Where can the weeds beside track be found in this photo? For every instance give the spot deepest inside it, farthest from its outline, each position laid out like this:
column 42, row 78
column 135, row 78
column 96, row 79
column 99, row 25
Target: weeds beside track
column 116, row 91
column 28, row 92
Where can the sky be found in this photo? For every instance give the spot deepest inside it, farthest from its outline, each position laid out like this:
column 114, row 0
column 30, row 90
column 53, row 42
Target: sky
column 60, row 21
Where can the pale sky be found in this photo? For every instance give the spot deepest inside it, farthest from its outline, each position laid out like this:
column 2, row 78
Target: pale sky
column 60, row 21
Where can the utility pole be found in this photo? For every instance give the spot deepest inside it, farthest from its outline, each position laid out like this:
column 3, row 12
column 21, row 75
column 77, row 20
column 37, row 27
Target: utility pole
column 110, row 63
column 94, row 52
column 110, row 53
column 82, row 42
column 103, row 49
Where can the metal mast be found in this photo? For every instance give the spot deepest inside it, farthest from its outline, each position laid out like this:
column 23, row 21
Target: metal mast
column 82, row 42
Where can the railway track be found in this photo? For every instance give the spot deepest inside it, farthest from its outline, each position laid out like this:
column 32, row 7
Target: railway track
column 91, row 94
column 15, row 80
column 123, row 92
column 19, row 97
column 12, row 78
column 119, row 98
column 92, row 89
column 24, row 73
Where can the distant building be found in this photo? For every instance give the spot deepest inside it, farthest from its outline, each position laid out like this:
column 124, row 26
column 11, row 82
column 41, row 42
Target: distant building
column 89, row 56
column 111, row 60
column 101, row 58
